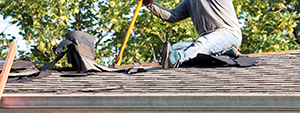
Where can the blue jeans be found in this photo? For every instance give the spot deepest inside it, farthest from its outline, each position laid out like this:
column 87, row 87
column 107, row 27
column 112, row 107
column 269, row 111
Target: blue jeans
column 218, row 42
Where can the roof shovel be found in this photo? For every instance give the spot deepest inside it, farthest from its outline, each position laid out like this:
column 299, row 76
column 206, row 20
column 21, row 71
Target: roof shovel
column 119, row 58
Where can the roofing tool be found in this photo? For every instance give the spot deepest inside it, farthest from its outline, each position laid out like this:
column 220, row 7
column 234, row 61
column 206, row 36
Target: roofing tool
column 7, row 66
column 119, row 58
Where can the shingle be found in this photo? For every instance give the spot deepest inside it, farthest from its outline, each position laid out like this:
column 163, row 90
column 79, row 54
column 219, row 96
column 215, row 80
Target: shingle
column 278, row 74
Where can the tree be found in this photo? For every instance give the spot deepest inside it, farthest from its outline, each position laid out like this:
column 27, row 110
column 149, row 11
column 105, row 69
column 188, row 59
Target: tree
column 267, row 26
column 297, row 29
column 44, row 23
column 5, row 43
column 149, row 33
column 41, row 22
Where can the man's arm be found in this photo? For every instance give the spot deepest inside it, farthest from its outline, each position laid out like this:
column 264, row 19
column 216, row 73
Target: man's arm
column 180, row 12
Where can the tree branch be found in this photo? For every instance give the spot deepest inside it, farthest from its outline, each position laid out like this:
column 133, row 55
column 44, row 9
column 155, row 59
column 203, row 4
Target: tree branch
column 159, row 36
column 78, row 17
column 153, row 54
column 102, row 36
column 289, row 2
column 163, row 33
column 296, row 33
column 150, row 45
column 170, row 34
column 279, row 10
column 7, row 26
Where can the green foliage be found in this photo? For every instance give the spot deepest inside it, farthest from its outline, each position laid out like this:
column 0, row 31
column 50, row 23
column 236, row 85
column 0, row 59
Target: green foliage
column 267, row 26
column 4, row 45
column 5, row 42
column 43, row 23
column 149, row 33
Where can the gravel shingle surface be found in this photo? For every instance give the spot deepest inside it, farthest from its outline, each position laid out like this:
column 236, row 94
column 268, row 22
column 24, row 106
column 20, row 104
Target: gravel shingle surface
column 278, row 75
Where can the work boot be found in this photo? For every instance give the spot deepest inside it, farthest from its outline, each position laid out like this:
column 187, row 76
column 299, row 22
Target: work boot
column 170, row 57
column 233, row 52
column 236, row 52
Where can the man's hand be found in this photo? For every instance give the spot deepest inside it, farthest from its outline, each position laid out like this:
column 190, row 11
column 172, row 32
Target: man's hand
column 147, row 2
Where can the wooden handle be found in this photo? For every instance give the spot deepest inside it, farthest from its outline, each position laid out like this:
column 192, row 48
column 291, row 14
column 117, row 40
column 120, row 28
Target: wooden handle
column 7, row 66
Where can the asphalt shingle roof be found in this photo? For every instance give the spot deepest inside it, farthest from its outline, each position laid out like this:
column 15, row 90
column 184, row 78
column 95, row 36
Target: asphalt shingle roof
column 278, row 75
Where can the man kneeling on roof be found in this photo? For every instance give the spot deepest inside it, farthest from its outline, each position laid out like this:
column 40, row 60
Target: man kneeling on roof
column 215, row 22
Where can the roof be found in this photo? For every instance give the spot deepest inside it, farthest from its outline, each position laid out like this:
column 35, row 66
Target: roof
column 277, row 77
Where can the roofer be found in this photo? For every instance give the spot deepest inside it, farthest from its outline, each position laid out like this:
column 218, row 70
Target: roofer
column 215, row 22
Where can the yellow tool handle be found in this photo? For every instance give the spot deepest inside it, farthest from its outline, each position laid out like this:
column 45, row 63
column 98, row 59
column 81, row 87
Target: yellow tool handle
column 119, row 58
column 7, row 66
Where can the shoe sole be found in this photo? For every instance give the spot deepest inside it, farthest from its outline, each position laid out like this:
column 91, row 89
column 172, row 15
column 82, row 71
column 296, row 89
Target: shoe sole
column 165, row 52
column 236, row 52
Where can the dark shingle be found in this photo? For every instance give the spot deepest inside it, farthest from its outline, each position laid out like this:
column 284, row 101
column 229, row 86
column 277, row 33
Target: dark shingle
column 278, row 74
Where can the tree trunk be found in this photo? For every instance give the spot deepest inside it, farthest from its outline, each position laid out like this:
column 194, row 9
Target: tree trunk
column 297, row 33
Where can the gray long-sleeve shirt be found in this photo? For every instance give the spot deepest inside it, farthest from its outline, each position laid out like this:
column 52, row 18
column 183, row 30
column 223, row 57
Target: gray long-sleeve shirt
column 207, row 15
